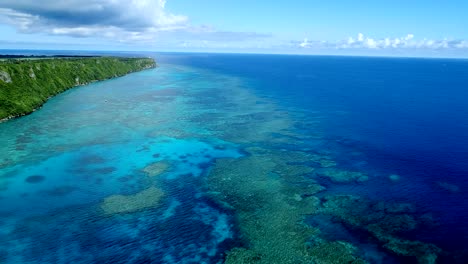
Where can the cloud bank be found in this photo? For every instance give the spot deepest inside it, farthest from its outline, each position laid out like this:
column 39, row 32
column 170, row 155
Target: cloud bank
column 148, row 24
column 124, row 19
column 128, row 21
column 364, row 42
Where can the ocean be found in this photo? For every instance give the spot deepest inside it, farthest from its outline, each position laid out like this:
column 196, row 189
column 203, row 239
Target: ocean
column 244, row 158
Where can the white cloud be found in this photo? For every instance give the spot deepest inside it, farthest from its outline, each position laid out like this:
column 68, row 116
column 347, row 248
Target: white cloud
column 304, row 44
column 360, row 37
column 387, row 42
column 409, row 37
column 128, row 21
column 370, row 43
column 406, row 42
column 395, row 43
column 462, row 44
column 84, row 18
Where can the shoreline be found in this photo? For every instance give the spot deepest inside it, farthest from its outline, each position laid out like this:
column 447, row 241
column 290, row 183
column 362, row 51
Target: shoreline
column 116, row 75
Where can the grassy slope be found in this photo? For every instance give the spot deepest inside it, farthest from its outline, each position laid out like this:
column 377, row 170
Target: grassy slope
column 27, row 84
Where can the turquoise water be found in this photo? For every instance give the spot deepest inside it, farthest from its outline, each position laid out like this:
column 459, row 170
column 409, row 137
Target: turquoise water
column 59, row 163
column 213, row 158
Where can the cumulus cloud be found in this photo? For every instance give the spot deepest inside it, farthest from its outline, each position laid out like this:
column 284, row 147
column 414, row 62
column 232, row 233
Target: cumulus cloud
column 136, row 21
column 462, row 44
column 406, row 42
column 409, row 37
column 360, row 37
column 305, row 43
column 128, row 19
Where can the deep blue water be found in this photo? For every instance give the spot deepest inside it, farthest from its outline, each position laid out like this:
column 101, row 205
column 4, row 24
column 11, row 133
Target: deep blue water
column 404, row 106
column 408, row 116
column 381, row 116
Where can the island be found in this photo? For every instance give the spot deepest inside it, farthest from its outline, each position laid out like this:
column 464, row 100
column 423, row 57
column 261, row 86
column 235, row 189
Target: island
column 26, row 83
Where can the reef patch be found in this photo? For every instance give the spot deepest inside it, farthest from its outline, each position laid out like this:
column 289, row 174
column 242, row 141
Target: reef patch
column 118, row 204
column 157, row 168
column 342, row 176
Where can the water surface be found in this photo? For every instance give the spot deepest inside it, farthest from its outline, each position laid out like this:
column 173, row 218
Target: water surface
column 243, row 158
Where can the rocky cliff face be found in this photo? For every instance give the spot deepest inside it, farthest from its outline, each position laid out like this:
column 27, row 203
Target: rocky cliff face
column 5, row 77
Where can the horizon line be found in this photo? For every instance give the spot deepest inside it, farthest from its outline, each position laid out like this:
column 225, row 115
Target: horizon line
column 242, row 53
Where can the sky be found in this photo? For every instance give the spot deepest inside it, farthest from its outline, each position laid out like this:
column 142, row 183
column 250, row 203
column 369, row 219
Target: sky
column 435, row 28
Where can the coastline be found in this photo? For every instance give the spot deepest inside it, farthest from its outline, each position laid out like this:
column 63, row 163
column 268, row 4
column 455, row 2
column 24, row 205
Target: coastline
column 116, row 75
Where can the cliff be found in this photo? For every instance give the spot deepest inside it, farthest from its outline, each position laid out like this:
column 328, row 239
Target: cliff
column 26, row 84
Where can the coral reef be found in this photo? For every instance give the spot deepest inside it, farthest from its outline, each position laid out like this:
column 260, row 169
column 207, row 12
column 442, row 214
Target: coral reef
column 248, row 121
column 270, row 213
column 384, row 221
column 271, row 190
column 342, row 176
column 336, row 252
column 157, row 168
column 117, row 204
column 326, row 163
column 170, row 132
column 423, row 252
column 267, row 221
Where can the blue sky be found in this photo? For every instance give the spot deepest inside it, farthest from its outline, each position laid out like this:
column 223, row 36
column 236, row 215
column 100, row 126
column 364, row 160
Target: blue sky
column 388, row 28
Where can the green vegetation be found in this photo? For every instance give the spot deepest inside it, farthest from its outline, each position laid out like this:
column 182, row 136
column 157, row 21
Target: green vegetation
column 27, row 84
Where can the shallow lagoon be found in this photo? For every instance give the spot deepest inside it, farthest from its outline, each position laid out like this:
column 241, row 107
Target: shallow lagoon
column 216, row 157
